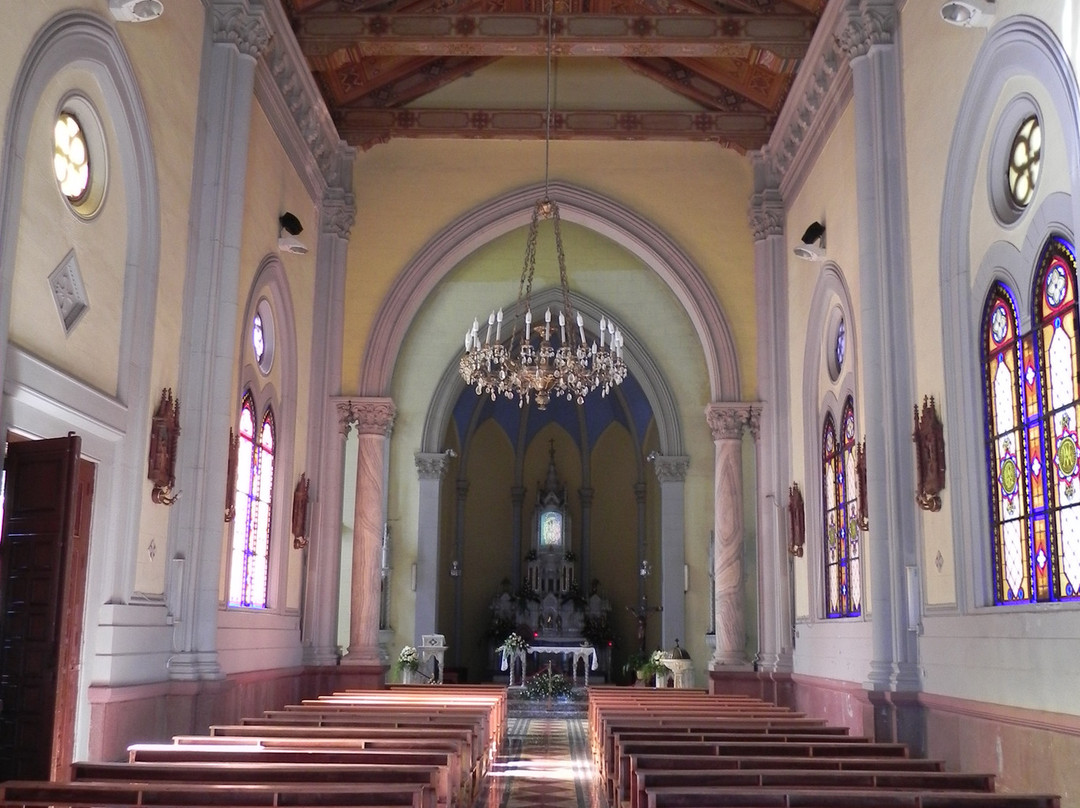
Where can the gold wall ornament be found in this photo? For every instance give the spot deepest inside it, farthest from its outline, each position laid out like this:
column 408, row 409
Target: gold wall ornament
column 164, row 434
column 863, row 494
column 230, row 476
column 929, row 437
column 796, row 521
column 300, row 513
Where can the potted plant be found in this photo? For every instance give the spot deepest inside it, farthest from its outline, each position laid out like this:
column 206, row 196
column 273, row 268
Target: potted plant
column 408, row 663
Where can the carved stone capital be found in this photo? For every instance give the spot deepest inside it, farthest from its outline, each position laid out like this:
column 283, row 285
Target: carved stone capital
column 671, row 468
column 871, row 23
column 727, row 420
column 236, row 24
column 343, row 410
column 372, row 416
column 432, row 465
column 766, row 215
column 338, row 216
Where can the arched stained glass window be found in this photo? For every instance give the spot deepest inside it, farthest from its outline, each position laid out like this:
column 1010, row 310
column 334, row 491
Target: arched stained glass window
column 249, row 570
column 1032, row 404
column 843, row 579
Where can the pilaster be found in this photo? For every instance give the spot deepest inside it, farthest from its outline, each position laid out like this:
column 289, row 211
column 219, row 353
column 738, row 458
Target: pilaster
column 671, row 472
column 430, row 469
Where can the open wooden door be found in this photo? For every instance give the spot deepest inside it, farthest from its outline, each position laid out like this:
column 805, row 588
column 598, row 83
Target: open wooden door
column 43, row 552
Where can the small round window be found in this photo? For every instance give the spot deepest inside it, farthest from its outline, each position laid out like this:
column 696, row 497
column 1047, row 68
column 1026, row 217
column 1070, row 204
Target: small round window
column 78, row 160
column 836, row 346
column 262, row 336
column 71, row 161
column 1024, row 159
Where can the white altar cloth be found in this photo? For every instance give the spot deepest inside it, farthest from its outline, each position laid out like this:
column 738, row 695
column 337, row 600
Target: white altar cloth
column 581, row 653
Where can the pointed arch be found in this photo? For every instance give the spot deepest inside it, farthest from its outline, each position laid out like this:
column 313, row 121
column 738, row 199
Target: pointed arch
column 587, row 208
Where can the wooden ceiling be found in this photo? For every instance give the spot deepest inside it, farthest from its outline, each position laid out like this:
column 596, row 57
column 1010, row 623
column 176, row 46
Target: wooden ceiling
column 729, row 62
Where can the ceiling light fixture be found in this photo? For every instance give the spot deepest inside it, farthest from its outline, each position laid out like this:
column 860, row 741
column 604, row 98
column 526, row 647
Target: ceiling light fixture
column 969, row 13
column 135, row 10
column 288, row 223
column 809, row 250
column 543, row 361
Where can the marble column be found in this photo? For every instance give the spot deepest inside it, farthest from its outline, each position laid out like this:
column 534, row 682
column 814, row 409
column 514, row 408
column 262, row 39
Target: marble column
column 373, row 419
column 430, row 468
column 238, row 34
column 775, row 613
column 671, row 472
column 727, row 422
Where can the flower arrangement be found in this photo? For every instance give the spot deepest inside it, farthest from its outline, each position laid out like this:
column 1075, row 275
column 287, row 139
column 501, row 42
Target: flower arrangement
column 547, row 685
column 513, row 644
column 655, row 664
column 408, row 659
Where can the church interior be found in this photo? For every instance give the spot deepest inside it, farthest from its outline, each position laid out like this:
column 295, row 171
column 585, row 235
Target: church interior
column 810, row 266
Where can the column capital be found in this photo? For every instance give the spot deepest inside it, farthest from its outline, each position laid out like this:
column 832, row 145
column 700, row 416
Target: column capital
column 343, row 411
column 766, row 215
column 727, row 420
column 433, row 465
column 338, row 216
column 372, row 416
column 670, row 468
column 236, row 23
column 868, row 23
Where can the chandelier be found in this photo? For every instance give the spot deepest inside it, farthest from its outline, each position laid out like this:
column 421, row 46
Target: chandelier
column 543, row 360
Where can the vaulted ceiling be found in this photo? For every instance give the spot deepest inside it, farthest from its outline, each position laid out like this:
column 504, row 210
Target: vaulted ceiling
column 399, row 68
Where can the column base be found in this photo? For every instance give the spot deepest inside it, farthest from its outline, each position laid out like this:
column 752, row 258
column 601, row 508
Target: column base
column 899, row 718
column 195, row 666
column 776, row 688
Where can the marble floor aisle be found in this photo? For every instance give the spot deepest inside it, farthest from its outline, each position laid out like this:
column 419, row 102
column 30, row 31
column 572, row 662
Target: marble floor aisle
column 546, row 764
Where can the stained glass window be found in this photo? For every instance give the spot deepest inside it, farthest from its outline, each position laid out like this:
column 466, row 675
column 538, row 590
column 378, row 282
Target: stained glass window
column 1032, row 404
column 249, row 570
column 843, row 578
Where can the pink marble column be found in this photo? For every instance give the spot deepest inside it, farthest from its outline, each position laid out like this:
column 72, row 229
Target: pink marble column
column 727, row 422
column 373, row 419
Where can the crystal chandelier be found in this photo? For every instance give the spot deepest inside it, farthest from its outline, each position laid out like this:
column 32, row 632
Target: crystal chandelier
column 546, row 360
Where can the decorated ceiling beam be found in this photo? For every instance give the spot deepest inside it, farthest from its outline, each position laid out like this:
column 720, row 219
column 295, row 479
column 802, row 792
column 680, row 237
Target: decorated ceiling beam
column 743, row 132
column 323, row 37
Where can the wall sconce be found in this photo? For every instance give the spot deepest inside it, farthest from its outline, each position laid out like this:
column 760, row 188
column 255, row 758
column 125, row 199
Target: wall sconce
column 290, row 243
column 164, row 433
column 969, row 13
column 929, row 437
column 796, row 521
column 813, row 243
column 860, row 477
column 646, row 569
column 230, row 476
column 455, row 569
column 300, row 513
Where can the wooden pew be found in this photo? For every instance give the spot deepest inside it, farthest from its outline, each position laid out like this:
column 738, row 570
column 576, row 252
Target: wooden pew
column 752, row 778
column 721, row 797
column 447, row 762
column 88, row 794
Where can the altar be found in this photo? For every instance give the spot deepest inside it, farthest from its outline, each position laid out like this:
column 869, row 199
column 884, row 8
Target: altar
column 550, row 611
column 515, row 661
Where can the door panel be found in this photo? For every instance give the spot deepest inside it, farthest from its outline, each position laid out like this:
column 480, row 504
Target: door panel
column 39, row 507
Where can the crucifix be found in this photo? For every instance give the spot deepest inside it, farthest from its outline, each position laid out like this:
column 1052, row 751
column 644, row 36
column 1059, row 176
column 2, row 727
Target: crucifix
column 642, row 613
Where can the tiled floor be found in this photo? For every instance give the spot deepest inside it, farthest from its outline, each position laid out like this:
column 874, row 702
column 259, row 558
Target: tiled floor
column 546, row 764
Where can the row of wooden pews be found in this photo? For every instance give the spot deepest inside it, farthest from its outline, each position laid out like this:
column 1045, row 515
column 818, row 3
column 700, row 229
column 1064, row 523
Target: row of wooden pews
column 663, row 748
column 424, row 747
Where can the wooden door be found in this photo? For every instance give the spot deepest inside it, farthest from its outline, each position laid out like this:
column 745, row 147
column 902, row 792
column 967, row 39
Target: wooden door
column 42, row 578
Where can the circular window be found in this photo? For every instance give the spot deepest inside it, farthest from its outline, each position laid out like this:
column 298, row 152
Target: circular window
column 1024, row 157
column 836, row 338
column 1015, row 159
column 79, row 162
column 71, row 162
column 262, row 336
